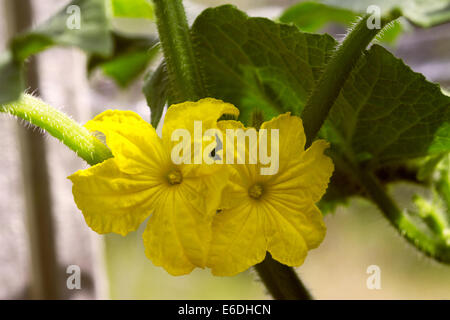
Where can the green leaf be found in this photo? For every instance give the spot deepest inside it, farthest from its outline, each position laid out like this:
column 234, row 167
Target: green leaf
column 427, row 13
column 132, row 17
column 424, row 13
column 362, row 5
column 93, row 36
column 123, row 59
column 130, row 59
column 156, row 87
column 312, row 16
column 127, row 67
column 132, row 9
column 386, row 112
column 258, row 63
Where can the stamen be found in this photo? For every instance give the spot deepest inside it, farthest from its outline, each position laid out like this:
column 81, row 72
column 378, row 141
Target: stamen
column 255, row 191
column 174, row 177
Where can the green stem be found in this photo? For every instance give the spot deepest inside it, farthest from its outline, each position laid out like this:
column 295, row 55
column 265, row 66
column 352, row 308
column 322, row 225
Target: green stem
column 184, row 75
column 401, row 220
column 378, row 194
column 336, row 73
column 59, row 125
column 316, row 111
column 282, row 281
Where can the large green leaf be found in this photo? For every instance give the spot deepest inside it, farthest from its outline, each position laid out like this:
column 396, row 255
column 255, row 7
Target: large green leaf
column 257, row 63
column 387, row 112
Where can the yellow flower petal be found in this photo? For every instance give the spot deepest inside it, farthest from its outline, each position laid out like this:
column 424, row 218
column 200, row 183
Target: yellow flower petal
column 133, row 142
column 163, row 245
column 292, row 227
column 178, row 234
column 238, row 241
column 229, row 124
column 183, row 115
column 110, row 200
column 306, row 173
column 285, row 244
column 291, row 137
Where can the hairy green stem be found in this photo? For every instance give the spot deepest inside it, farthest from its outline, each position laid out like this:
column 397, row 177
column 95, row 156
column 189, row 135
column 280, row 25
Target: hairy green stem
column 59, row 125
column 336, row 73
column 378, row 194
column 184, row 75
column 401, row 220
column 186, row 84
column 316, row 111
column 281, row 281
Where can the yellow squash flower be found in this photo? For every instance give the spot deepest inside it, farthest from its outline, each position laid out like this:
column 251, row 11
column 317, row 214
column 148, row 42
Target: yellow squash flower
column 141, row 180
column 275, row 213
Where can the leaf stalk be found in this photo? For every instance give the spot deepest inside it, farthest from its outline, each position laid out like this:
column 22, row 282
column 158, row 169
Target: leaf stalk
column 336, row 73
column 184, row 76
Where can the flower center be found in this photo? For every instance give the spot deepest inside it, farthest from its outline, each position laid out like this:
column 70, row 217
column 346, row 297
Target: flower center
column 255, row 191
column 174, row 177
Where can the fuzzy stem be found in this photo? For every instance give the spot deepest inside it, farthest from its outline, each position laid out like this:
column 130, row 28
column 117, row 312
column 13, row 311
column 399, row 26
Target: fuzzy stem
column 60, row 126
column 405, row 225
column 184, row 75
column 281, row 281
column 336, row 73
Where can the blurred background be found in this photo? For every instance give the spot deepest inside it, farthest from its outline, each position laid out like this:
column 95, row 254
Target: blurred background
column 42, row 232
